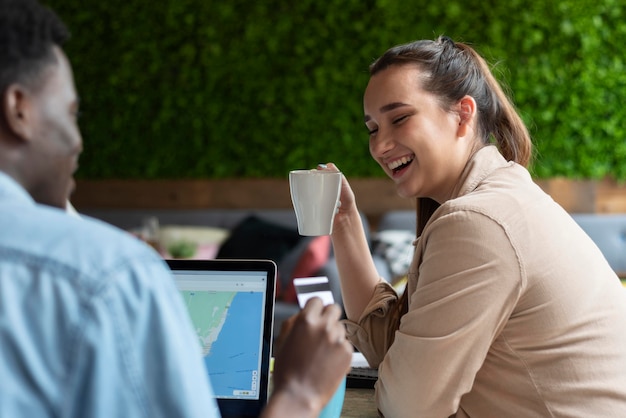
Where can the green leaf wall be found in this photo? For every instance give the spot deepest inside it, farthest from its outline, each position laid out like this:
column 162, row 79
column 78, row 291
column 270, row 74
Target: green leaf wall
column 233, row 88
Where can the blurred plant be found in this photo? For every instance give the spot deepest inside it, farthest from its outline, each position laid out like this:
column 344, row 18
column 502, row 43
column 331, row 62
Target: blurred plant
column 210, row 89
column 182, row 249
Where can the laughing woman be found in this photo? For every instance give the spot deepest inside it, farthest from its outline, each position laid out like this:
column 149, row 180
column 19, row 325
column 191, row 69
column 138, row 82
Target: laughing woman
column 510, row 309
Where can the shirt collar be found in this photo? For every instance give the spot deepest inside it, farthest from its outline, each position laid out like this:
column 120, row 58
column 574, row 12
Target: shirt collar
column 484, row 162
column 11, row 190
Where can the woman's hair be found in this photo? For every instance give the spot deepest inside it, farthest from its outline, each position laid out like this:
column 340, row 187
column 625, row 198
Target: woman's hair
column 450, row 71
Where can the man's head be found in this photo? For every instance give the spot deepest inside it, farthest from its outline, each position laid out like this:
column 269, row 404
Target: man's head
column 39, row 138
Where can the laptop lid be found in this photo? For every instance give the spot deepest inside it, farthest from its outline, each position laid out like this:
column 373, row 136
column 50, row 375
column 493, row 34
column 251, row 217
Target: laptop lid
column 231, row 305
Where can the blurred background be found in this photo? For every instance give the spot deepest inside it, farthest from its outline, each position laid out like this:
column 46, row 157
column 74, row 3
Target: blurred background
column 206, row 89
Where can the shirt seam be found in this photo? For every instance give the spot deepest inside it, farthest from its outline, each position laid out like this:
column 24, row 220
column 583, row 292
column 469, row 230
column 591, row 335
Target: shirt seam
column 528, row 371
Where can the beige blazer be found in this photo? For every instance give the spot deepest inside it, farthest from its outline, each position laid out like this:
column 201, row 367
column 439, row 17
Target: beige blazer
column 512, row 311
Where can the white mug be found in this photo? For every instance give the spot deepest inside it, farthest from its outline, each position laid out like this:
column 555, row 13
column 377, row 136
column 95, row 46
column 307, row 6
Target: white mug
column 315, row 196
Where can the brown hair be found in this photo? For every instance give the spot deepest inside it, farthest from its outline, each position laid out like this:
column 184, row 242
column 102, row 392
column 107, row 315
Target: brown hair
column 450, row 71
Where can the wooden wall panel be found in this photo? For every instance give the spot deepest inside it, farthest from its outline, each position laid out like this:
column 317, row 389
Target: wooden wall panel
column 374, row 196
column 610, row 197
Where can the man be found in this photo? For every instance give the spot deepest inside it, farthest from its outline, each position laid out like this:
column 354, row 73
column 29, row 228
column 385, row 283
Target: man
column 91, row 324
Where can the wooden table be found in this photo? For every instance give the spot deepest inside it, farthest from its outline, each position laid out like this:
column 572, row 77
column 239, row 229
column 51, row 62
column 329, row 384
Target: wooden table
column 359, row 403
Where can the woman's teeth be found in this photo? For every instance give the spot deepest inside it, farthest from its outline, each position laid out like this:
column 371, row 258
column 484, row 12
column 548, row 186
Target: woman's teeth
column 398, row 163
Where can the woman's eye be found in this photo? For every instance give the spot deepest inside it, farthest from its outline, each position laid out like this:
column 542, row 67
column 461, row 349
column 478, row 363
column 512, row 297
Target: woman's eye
column 372, row 131
column 400, row 119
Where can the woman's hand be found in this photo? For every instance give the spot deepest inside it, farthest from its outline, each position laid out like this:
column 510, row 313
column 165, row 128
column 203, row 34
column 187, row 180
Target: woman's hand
column 347, row 201
column 356, row 267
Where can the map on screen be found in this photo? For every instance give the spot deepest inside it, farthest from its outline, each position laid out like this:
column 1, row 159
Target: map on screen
column 228, row 326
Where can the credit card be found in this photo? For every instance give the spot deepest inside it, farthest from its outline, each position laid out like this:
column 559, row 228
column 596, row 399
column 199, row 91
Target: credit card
column 308, row 287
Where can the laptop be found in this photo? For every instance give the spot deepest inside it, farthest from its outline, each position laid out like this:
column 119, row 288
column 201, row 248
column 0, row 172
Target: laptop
column 231, row 305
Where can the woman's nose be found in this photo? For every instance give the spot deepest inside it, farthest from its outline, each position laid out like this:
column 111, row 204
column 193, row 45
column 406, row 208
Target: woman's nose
column 380, row 144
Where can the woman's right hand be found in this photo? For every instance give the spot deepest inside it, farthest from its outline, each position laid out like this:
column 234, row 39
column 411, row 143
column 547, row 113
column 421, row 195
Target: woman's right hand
column 347, row 201
column 356, row 267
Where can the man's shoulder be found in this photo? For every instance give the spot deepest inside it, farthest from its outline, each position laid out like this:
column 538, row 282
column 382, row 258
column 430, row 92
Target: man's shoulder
column 53, row 239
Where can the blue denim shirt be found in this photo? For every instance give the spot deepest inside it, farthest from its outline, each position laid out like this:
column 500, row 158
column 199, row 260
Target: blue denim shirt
column 91, row 324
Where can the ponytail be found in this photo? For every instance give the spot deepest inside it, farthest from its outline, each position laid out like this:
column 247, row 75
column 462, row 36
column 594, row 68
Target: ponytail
column 501, row 121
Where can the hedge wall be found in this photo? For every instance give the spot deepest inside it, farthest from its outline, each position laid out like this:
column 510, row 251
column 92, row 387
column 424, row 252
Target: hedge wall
column 216, row 89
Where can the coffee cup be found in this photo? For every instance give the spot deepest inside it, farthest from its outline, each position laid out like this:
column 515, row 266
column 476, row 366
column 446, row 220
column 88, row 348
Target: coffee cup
column 315, row 196
column 335, row 405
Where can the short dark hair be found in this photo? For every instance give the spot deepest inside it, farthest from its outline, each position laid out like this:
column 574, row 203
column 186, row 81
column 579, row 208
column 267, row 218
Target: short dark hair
column 28, row 32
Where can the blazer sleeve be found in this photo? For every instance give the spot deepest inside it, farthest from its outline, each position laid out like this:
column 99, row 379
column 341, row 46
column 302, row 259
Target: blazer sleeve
column 373, row 334
column 468, row 281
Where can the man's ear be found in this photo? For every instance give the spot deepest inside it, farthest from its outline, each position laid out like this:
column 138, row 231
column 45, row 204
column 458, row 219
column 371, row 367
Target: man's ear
column 467, row 115
column 17, row 112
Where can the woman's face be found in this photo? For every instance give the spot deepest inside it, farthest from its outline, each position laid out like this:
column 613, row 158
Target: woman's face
column 422, row 147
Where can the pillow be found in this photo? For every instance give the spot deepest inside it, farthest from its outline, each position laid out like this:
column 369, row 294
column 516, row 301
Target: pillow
column 313, row 258
column 396, row 248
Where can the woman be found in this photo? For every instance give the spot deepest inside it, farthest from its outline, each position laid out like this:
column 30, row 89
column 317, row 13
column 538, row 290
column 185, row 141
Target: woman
column 510, row 309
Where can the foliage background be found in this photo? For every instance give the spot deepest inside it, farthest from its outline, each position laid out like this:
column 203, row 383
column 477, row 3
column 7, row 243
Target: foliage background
column 242, row 88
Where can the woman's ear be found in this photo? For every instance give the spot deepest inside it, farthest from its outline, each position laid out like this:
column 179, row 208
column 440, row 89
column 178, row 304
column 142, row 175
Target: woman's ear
column 16, row 112
column 467, row 115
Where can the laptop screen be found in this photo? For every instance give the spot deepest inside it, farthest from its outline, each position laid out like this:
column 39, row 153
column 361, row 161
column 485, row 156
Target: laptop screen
column 230, row 303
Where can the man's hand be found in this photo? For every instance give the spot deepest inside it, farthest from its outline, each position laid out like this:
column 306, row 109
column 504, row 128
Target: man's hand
column 312, row 358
